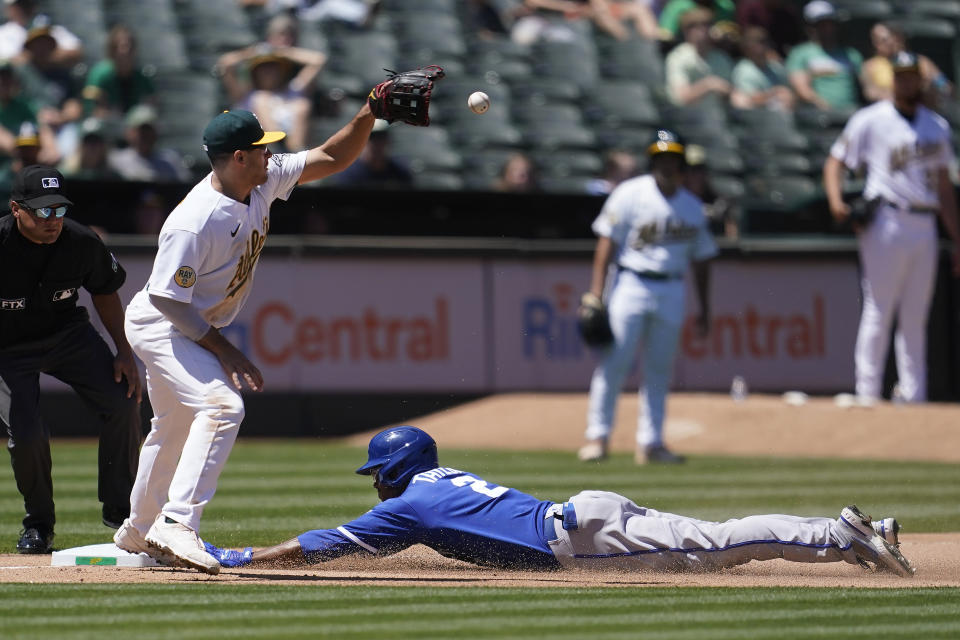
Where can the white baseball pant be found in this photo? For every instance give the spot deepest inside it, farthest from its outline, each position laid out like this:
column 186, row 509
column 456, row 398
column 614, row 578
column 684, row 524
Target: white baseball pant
column 197, row 415
column 648, row 313
column 615, row 533
column 898, row 255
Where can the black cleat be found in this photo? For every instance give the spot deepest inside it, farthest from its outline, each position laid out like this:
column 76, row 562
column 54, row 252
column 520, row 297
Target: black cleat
column 34, row 541
column 113, row 517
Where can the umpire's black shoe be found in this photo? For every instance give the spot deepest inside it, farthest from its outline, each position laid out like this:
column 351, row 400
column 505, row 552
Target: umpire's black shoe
column 34, row 540
column 113, row 516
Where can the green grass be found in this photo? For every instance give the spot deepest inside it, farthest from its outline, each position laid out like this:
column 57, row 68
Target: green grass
column 213, row 610
column 272, row 490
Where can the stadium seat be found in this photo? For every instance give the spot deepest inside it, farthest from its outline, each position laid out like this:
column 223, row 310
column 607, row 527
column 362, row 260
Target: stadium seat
column 497, row 67
column 949, row 9
column 548, row 136
column 552, row 90
column 527, row 111
column 558, row 164
column 483, row 133
column 485, row 165
column 438, row 180
column 634, row 139
column 780, row 163
column 635, row 59
column 565, row 184
column 569, row 61
column 728, row 186
column 622, row 103
column 782, row 192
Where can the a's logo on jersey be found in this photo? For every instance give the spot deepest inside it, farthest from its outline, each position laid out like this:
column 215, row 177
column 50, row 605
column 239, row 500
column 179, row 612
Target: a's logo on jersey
column 249, row 258
column 277, row 159
column 19, row 304
column 63, row 294
column 185, row 277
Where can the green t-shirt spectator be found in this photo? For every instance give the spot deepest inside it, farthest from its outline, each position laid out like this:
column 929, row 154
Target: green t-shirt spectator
column 121, row 93
column 15, row 113
column 833, row 74
column 751, row 79
column 723, row 10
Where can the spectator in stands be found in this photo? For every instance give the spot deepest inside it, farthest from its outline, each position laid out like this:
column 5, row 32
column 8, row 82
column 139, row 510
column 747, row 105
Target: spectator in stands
column 14, row 109
column 376, row 167
column 618, row 165
column 52, row 91
column 760, row 79
column 141, row 160
column 823, row 72
column 696, row 71
column 21, row 17
column 150, row 213
column 876, row 76
column 519, row 175
column 488, row 19
column 674, row 10
column 780, row 19
column 696, row 179
column 357, row 14
column 555, row 19
column 117, row 84
column 89, row 160
column 276, row 91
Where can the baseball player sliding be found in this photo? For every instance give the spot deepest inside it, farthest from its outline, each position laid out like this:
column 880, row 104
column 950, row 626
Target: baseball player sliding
column 650, row 228
column 203, row 272
column 462, row 516
column 907, row 152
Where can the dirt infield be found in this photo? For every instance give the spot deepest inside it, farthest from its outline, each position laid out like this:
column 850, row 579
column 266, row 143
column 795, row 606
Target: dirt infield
column 698, row 424
column 937, row 557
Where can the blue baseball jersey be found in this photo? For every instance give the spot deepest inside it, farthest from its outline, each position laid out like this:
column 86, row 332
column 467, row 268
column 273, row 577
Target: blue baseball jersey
column 455, row 513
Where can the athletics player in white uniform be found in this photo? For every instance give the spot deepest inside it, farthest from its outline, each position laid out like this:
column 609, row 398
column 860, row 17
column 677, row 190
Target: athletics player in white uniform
column 202, row 274
column 907, row 152
column 651, row 228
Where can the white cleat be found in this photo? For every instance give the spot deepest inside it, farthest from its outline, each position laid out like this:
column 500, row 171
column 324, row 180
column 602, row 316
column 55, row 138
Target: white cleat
column 888, row 529
column 129, row 539
column 182, row 542
column 870, row 546
column 593, row 451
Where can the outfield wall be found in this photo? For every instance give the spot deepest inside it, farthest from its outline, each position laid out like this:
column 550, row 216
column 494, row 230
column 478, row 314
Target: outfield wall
column 478, row 317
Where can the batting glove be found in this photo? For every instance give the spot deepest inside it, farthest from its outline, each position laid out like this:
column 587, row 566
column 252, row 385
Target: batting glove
column 229, row 557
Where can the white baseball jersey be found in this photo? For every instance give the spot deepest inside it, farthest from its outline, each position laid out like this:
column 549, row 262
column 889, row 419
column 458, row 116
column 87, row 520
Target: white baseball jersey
column 652, row 232
column 210, row 244
column 902, row 157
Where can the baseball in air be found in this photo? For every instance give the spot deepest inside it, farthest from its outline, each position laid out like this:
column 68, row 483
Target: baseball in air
column 478, row 102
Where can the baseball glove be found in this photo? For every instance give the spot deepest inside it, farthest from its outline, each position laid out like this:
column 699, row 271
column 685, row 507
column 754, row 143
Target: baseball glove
column 405, row 96
column 862, row 211
column 593, row 322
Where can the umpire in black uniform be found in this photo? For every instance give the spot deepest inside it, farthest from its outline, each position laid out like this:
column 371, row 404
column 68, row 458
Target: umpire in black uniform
column 44, row 260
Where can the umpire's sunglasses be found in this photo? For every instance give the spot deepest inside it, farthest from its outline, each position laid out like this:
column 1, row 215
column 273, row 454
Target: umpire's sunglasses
column 46, row 212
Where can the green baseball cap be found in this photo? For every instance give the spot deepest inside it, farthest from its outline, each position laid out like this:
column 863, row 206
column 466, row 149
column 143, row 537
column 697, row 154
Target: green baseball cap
column 238, row 129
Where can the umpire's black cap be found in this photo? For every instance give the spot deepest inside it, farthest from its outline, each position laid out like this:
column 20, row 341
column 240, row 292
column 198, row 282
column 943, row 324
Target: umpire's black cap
column 38, row 186
column 665, row 141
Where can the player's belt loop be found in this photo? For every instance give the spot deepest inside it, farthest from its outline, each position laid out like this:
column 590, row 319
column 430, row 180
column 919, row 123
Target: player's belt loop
column 569, row 516
column 651, row 275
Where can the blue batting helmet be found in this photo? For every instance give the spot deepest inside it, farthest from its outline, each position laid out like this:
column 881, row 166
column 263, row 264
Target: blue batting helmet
column 399, row 453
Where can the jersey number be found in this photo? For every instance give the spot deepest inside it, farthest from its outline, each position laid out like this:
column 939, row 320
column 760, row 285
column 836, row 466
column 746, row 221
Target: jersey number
column 480, row 486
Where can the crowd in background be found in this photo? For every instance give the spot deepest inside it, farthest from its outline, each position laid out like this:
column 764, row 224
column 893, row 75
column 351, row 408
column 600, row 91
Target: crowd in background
column 103, row 123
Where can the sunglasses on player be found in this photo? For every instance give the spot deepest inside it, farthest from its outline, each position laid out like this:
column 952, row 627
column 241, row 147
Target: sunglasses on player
column 46, row 212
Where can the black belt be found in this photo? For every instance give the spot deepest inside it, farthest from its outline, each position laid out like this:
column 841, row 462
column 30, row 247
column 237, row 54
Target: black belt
column 920, row 209
column 651, row 275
